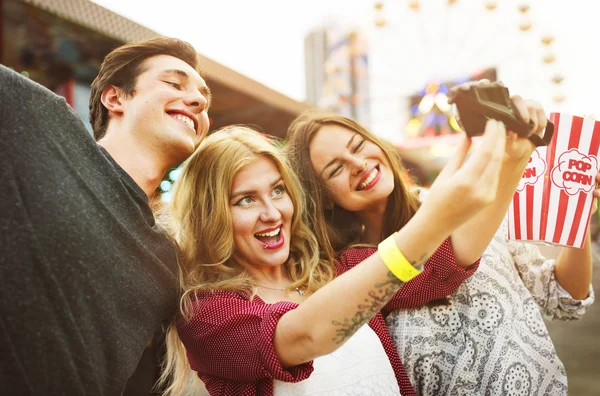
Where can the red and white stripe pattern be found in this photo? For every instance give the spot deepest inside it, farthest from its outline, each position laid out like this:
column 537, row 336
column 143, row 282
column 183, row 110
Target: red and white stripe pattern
column 543, row 210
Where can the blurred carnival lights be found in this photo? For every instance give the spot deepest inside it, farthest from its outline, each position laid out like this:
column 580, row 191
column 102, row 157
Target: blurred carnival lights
column 557, row 79
column 431, row 97
column 523, row 8
column 491, row 5
column 380, row 20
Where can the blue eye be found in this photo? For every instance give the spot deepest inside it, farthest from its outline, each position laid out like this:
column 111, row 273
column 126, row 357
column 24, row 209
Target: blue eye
column 279, row 191
column 244, row 201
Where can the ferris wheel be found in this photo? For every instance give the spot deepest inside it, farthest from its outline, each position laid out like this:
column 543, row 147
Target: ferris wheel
column 444, row 39
column 419, row 49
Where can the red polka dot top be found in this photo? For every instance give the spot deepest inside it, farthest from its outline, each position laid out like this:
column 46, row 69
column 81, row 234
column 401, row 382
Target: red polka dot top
column 229, row 339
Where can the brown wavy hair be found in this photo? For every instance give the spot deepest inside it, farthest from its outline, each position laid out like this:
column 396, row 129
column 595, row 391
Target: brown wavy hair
column 336, row 228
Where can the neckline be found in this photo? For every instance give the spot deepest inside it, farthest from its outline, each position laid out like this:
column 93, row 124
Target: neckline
column 127, row 178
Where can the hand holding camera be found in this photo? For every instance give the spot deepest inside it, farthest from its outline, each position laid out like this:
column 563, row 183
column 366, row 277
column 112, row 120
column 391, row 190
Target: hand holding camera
column 479, row 101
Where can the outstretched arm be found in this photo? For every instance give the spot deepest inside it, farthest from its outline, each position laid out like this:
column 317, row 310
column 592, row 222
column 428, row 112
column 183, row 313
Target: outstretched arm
column 328, row 318
column 562, row 289
column 470, row 240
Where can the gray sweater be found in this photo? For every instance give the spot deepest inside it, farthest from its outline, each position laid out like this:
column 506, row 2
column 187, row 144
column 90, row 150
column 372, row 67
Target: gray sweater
column 86, row 276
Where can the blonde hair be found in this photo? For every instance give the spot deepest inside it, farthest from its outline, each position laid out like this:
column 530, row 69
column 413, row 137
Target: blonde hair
column 200, row 219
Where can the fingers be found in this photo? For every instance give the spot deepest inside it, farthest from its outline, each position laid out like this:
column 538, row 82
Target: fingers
column 511, row 139
column 597, row 190
column 538, row 116
column 596, row 194
column 533, row 115
column 521, row 106
column 531, row 111
column 487, row 158
column 491, row 173
column 542, row 119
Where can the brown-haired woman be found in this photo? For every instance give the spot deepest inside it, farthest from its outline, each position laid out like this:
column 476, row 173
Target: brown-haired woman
column 488, row 338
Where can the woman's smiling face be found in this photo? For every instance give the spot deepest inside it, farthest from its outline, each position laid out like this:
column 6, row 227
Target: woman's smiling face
column 261, row 214
column 355, row 170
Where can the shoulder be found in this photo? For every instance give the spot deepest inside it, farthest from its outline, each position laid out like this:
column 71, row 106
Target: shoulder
column 220, row 304
column 22, row 90
column 27, row 104
column 354, row 256
column 229, row 310
column 210, row 297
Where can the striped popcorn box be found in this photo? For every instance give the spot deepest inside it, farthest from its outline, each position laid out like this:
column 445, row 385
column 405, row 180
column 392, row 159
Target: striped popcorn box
column 554, row 199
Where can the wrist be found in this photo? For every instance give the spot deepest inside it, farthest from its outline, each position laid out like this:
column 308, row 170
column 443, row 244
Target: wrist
column 419, row 238
column 396, row 262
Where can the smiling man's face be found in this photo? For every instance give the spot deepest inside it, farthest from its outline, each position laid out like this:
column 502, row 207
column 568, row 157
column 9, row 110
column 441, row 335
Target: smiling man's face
column 168, row 109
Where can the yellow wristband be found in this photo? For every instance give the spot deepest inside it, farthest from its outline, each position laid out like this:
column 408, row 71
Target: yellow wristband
column 395, row 260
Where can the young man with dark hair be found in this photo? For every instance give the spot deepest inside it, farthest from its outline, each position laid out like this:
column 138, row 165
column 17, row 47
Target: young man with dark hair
column 86, row 275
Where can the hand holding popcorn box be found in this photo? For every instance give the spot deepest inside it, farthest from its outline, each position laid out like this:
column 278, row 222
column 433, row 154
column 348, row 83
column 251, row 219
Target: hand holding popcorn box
column 553, row 201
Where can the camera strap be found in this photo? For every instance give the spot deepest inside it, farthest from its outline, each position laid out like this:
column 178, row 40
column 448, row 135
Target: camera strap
column 545, row 140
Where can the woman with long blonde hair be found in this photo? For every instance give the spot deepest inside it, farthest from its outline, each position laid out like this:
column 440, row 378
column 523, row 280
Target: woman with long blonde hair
column 487, row 336
column 263, row 312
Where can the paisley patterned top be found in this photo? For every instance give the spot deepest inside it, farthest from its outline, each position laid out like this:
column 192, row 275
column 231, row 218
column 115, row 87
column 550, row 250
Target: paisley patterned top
column 491, row 338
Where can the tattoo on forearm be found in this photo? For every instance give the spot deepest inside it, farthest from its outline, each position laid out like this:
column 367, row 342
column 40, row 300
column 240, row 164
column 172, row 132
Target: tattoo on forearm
column 378, row 297
column 420, row 261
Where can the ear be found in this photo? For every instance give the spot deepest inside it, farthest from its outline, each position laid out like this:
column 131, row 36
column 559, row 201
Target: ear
column 112, row 99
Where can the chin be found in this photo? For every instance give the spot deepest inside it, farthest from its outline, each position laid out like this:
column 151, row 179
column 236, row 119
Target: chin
column 388, row 190
column 183, row 149
column 280, row 259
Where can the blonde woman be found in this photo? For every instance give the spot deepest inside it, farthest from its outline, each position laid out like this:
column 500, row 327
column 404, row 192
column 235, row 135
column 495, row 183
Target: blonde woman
column 262, row 311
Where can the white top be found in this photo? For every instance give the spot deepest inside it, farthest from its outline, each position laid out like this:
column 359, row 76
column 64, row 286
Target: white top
column 359, row 367
column 491, row 338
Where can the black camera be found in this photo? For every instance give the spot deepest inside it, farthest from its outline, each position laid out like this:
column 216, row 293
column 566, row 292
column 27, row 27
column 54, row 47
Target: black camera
column 480, row 103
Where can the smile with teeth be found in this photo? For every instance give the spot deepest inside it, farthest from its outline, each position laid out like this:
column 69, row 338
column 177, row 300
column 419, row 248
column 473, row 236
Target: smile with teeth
column 187, row 120
column 270, row 240
column 369, row 179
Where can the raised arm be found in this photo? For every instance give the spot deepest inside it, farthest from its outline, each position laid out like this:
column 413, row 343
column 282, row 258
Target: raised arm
column 440, row 277
column 470, row 240
column 573, row 269
column 328, row 318
column 558, row 297
column 22, row 99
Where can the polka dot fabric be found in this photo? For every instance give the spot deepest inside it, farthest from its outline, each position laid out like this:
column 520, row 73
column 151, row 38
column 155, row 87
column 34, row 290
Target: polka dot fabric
column 440, row 278
column 229, row 342
column 229, row 339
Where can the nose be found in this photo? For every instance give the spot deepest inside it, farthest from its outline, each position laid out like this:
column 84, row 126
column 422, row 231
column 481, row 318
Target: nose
column 358, row 165
column 270, row 213
column 196, row 101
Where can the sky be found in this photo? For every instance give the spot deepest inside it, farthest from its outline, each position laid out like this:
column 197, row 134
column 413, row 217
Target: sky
column 264, row 39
